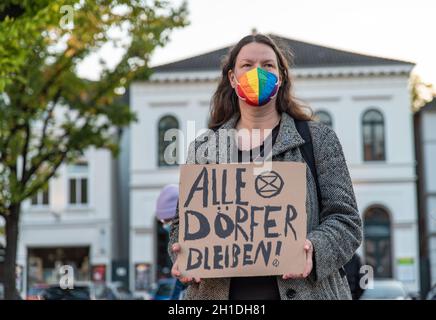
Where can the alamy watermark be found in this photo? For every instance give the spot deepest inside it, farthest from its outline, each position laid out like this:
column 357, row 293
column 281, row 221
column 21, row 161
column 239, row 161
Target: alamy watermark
column 220, row 146
column 367, row 277
column 66, row 280
column 67, row 20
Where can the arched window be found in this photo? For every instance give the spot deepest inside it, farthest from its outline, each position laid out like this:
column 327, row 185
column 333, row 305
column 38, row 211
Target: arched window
column 166, row 123
column 373, row 136
column 324, row 117
column 377, row 235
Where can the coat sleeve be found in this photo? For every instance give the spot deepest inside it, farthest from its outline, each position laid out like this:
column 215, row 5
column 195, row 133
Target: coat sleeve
column 339, row 233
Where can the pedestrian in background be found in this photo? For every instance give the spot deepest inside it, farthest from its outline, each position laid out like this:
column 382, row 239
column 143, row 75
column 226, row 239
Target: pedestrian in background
column 165, row 213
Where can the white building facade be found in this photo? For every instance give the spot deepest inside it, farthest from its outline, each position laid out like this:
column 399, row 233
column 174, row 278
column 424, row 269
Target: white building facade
column 69, row 224
column 425, row 124
column 366, row 101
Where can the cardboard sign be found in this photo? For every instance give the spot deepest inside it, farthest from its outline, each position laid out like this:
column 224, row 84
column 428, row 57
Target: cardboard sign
column 236, row 223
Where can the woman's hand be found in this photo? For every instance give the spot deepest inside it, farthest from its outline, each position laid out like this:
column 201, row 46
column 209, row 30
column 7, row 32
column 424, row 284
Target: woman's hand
column 308, row 249
column 175, row 269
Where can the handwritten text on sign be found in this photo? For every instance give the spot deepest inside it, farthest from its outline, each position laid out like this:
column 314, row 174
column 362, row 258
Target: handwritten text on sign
column 235, row 223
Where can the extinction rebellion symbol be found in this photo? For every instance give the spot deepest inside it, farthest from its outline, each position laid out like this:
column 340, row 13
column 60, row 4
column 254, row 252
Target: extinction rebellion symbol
column 268, row 184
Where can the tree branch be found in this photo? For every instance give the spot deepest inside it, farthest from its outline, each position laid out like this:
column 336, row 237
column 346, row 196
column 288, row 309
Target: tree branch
column 38, row 186
column 47, row 118
column 48, row 155
column 25, row 149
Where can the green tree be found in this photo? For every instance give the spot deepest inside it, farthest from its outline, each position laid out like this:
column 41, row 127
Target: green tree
column 49, row 115
column 421, row 92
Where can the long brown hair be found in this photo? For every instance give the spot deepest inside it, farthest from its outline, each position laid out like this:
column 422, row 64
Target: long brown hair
column 225, row 101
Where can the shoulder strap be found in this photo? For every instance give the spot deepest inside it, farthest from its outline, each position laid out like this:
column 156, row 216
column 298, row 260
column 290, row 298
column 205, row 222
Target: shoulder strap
column 307, row 152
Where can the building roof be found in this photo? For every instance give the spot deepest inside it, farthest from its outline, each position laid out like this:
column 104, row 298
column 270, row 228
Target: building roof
column 306, row 55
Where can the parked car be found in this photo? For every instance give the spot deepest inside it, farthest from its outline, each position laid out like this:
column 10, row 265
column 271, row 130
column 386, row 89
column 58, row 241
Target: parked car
column 168, row 289
column 385, row 289
column 34, row 293
column 164, row 289
column 114, row 291
column 414, row 295
column 431, row 295
column 78, row 292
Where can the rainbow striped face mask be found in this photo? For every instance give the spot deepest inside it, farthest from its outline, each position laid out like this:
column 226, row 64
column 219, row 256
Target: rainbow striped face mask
column 257, row 86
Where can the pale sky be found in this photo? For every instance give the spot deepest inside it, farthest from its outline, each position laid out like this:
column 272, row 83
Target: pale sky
column 398, row 29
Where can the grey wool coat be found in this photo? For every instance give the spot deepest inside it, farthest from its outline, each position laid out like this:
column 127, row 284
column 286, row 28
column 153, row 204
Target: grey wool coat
column 335, row 233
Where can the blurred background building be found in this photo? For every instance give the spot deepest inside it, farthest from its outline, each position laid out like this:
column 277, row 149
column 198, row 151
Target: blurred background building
column 70, row 223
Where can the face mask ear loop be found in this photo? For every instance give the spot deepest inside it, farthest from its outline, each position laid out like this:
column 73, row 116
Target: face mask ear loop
column 278, row 87
column 236, row 91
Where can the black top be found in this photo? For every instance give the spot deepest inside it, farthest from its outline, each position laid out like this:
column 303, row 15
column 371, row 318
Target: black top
column 255, row 288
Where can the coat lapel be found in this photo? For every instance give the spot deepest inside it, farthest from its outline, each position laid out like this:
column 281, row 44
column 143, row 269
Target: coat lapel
column 287, row 138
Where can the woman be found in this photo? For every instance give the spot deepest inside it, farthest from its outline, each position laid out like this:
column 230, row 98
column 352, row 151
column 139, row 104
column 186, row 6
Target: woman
column 333, row 233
